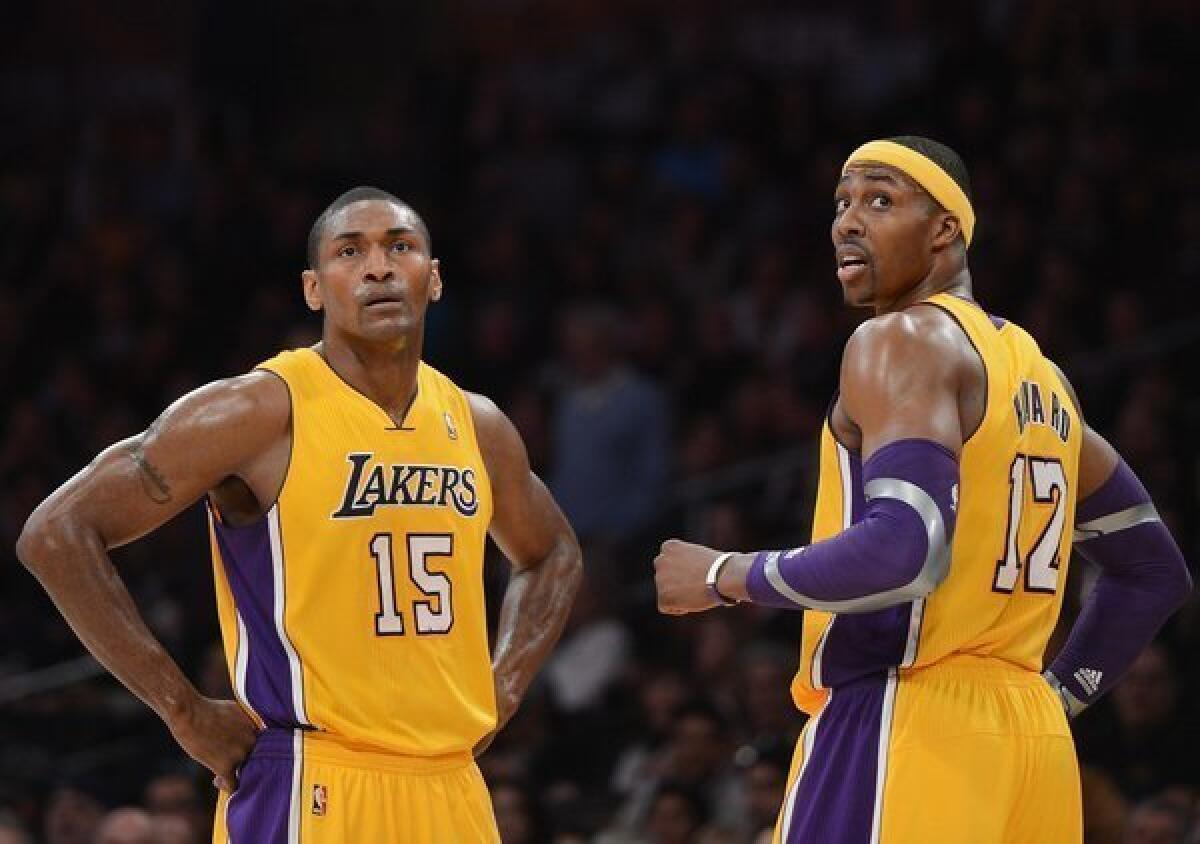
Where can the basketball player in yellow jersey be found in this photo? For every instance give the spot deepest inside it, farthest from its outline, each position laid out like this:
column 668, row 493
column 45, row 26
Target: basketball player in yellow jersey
column 956, row 470
column 351, row 488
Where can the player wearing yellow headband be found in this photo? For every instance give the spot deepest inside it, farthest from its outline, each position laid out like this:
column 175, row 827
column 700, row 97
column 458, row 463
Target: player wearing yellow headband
column 956, row 471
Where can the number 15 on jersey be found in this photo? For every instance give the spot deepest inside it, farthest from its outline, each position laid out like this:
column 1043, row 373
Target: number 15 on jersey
column 435, row 613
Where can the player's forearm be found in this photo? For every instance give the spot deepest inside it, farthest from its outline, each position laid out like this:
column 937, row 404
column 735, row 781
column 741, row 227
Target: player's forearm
column 74, row 568
column 535, row 609
column 1144, row 579
column 898, row 552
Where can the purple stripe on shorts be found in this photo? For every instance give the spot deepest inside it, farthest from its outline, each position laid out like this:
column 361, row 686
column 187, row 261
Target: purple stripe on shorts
column 246, row 552
column 835, row 800
column 260, row 808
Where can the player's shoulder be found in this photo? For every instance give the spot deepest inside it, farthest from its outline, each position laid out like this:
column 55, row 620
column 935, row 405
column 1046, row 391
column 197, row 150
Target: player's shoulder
column 259, row 399
column 500, row 444
column 259, row 391
column 922, row 333
column 490, row 421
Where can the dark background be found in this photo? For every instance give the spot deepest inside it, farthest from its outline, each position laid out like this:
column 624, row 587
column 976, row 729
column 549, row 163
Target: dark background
column 631, row 203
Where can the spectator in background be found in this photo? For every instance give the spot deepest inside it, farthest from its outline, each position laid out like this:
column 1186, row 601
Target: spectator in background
column 580, row 677
column 73, row 815
column 610, row 433
column 1136, row 742
column 677, row 813
column 516, row 816
column 174, row 797
column 1156, row 821
column 764, row 779
column 126, row 825
column 594, row 647
column 172, row 829
column 662, row 692
column 697, row 757
column 11, row 830
column 766, row 709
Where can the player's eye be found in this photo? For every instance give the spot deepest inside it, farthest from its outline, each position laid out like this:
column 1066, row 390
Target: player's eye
column 401, row 246
column 840, row 204
column 348, row 251
column 880, row 201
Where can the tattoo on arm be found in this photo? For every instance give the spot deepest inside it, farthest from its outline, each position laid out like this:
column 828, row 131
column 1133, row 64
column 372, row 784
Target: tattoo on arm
column 153, row 482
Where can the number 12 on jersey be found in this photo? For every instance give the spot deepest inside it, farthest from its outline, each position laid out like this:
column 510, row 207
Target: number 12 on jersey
column 1048, row 483
column 432, row 616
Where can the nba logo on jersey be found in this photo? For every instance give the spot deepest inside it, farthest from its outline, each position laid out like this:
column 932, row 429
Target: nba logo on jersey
column 319, row 796
column 451, row 431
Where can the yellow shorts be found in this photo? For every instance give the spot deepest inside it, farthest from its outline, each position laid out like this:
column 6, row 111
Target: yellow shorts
column 967, row 750
column 302, row 786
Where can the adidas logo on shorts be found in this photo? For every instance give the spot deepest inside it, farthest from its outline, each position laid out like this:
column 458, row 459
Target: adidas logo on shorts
column 1089, row 678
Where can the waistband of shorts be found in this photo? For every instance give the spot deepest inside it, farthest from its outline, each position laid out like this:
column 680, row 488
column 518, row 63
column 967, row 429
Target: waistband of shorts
column 975, row 669
column 319, row 746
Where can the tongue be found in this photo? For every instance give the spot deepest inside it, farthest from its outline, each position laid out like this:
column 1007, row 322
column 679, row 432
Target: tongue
column 849, row 273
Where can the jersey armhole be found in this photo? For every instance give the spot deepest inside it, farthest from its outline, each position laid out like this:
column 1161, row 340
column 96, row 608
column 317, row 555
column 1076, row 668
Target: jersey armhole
column 266, row 507
column 483, row 464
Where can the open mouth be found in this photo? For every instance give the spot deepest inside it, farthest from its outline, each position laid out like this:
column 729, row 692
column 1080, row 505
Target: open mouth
column 851, row 267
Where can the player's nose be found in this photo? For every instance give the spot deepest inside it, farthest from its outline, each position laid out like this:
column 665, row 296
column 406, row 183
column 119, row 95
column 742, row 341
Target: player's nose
column 847, row 225
column 376, row 267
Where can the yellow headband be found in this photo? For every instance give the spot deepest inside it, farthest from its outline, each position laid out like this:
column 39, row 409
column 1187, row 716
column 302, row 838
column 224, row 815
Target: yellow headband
column 925, row 173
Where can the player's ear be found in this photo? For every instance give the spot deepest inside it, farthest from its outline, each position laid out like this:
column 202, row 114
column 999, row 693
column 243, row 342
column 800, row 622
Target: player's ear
column 435, row 281
column 312, row 291
column 946, row 230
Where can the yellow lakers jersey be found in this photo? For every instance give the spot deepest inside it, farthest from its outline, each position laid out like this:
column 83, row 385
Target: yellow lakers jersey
column 1013, row 534
column 355, row 606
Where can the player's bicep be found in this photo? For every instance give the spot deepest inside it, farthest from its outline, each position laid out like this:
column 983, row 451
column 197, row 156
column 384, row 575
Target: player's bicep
column 526, row 521
column 898, row 382
column 137, row 484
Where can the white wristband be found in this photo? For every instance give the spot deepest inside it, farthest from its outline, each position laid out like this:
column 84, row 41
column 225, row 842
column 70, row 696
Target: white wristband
column 714, row 572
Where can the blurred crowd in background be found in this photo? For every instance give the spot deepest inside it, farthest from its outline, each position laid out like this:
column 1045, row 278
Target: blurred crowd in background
column 631, row 203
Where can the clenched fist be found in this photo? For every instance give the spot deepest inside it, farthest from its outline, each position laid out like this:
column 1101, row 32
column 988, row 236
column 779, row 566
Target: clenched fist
column 680, row 570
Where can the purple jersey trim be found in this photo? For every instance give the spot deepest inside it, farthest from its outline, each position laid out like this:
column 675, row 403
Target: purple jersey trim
column 249, row 567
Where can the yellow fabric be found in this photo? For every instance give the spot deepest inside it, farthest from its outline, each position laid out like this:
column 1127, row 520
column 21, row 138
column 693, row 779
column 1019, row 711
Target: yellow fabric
column 979, row 752
column 990, row 743
column 382, row 797
column 416, row 693
column 925, row 173
column 965, row 614
column 830, row 517
column 974, row 723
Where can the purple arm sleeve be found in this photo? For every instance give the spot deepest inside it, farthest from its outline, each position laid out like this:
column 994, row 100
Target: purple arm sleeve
column 1143, row 580
column 898, row 551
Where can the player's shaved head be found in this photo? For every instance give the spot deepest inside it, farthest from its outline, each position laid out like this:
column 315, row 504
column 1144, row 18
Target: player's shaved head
column 361, row 193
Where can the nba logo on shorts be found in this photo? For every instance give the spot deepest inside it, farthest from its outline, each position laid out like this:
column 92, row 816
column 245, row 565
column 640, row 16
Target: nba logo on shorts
column 319, row 795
